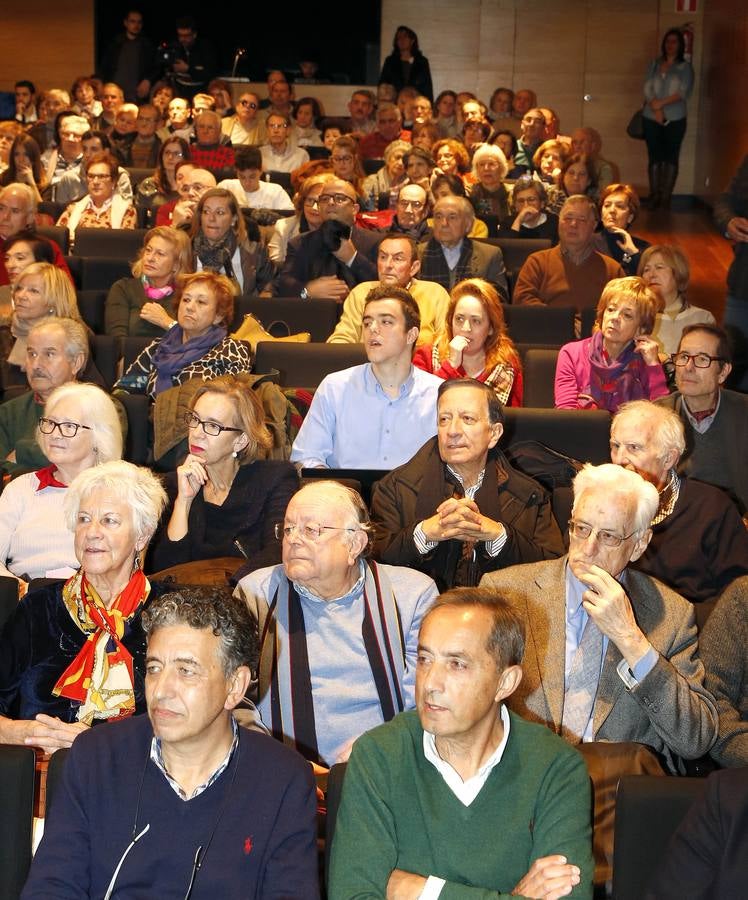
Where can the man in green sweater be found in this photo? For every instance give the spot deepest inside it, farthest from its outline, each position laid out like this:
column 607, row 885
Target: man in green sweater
column 464, row 800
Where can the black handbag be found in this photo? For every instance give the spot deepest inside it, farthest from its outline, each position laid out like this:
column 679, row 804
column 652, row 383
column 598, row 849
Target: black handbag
column 635, row 128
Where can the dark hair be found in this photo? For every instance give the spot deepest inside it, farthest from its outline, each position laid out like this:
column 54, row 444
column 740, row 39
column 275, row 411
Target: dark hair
column 31, row 149
column 444, row 94
column 58, row 120
column 724, row 349
column 41, row 248
column 573, row 160
column 500, row 90
column 316, row 108
column 400, row 236
column 247, row 156
column 415, row 50
column 681, row 44
column 411, row 312
column 503, row 132
column 527, row 182
column 456, row 185
column 506, row 639
column 210, row 607
column 483, row 125
column 420, row 153
column 27, row 84
column 186, row 22
column 495, row 406
column 102, row 136
column 160, row 176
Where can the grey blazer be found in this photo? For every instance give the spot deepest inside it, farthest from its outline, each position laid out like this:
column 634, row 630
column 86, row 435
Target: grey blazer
column 670, row 710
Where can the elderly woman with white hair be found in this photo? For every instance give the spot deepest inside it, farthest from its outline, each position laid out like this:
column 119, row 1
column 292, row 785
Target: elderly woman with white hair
column 488, row 195
column 79, row 429
column 73, row 653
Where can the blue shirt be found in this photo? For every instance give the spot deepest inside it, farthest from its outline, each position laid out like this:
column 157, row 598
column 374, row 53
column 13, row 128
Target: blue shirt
column 576, row 619
column 353, row 424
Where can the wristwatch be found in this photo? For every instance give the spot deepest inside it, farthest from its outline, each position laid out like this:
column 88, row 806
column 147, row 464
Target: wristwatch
column 304, row 294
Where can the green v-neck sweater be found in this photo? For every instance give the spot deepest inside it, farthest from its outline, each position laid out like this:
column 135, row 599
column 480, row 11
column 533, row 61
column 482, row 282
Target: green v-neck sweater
column 397, row 812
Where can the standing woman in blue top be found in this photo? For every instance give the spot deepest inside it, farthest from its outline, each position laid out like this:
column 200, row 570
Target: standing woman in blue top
column 406, row 66
column 666, row 89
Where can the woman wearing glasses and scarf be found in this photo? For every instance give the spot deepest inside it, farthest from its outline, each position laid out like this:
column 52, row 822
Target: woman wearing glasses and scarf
column 73, row 653
column 225, row 497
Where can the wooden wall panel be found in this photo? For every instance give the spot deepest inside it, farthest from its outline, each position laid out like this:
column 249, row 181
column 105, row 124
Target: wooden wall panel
column 50, row 43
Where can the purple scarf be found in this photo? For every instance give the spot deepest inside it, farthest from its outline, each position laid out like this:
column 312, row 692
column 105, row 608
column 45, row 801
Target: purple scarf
column 616, row 381
column 171, row 355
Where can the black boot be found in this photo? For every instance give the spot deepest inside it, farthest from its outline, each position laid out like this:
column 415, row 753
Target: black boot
column 654, row 169
column 669, row 177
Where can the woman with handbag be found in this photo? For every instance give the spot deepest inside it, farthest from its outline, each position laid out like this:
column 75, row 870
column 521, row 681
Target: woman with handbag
column 667, row 87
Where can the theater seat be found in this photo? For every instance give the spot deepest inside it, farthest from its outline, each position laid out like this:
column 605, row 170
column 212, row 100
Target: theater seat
column 58, row 234
column 91, row 307
column 282, row 316
column 579, row 433
column 539, row 370
column 305, row 365
column 17, row 770
column 648, row 810
column 122, row 243
column 98, row 273
column 549, row 325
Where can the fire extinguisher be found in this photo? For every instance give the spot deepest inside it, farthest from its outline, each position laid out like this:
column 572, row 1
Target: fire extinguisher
column 687, row 32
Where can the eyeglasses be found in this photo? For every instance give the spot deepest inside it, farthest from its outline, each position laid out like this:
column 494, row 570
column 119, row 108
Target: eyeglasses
column 700, row 360
column 342, row 159
column 308, row 532
column 96, row 177
column 337, row 199
column 413, row 204
column 277, row 126
column 211, row 428
column 66, row 429
column 249, row 104
column 582, row 531
column 312, row 202
column 174, row 154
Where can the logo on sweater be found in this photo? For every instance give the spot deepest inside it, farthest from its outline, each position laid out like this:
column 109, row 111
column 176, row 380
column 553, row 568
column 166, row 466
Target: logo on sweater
column 248, row 844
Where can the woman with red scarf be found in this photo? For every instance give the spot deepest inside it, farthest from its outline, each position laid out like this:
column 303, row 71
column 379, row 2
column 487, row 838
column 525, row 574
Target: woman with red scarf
column 73, row 653
column 620, row 362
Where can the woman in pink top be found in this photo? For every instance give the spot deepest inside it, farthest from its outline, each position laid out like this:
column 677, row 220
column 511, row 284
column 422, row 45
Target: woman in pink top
column 620, row 361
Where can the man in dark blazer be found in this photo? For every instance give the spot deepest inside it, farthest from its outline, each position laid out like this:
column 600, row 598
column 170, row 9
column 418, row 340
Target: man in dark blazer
column 332, row 260
column 650, row 681
column 451, row 256
column 458, row 508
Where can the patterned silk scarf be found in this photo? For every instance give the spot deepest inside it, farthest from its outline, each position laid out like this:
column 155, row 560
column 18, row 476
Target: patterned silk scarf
column 100, row 677
column 284, row 660
column 615, row 381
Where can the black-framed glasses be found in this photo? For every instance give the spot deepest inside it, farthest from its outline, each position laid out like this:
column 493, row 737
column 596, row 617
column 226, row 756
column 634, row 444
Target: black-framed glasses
column 66, row 429
column 211, row 428
column 337, row 199
column 248, row 103
column 700, row 360
column 581, row 531
column 309, row 532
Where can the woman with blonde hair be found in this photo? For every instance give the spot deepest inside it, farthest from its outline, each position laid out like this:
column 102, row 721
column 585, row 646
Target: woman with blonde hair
column 664, row 268
column 41, row 290
column 474, row 343
column 141, row 305
column 620, row 361
column 225, row 497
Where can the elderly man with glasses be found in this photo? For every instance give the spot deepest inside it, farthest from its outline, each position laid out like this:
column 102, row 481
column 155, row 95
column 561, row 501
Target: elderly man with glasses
column 332, row 260
column 715, row 419
column 245, row 126
column 612, row 653
column 339, row 632
column 280, row 154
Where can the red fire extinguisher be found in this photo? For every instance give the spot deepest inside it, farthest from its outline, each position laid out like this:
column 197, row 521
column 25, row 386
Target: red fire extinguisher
column 687, row 32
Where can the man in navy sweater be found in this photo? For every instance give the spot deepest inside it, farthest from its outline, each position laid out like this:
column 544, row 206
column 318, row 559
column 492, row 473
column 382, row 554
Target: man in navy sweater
column 183, row 802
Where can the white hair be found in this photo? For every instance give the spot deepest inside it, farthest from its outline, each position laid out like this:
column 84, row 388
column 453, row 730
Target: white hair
column 611, row 480
column 98, row 413
column 134, row 485
column 669, row 431
column 350, row 501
